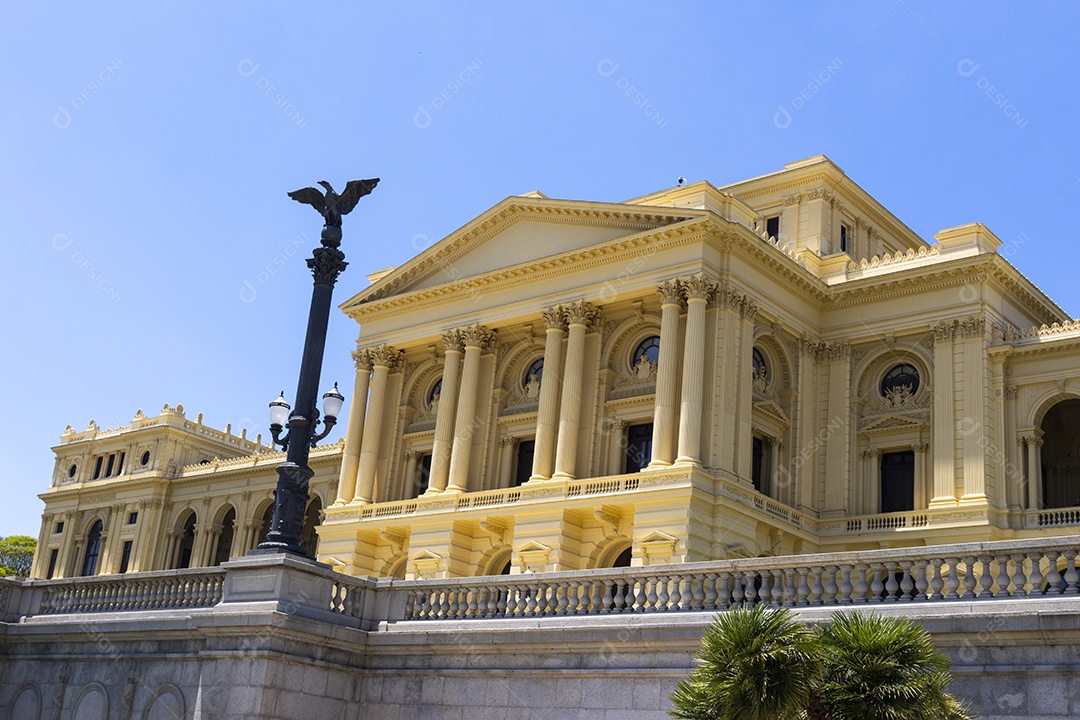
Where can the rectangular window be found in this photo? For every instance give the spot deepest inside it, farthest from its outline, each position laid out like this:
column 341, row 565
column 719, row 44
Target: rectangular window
column 638, row 447
column 898, row 481
column 423, row 475
column 757, row 467
column 524, row 465
column 843, row 238
column 120, row 464
column 52, row 563
column 60, row 527
column 97, row 466
column 109, row 466
column 125, row 557
column 133, row 518
column 772, row 226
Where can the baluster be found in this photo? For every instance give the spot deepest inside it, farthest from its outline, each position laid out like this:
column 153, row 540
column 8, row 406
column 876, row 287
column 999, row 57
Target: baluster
column 572, row 597
column 875, row 591
column 779, row 591
column 697, row 600
column 656, row 587
column 618, row 602
column 970, row 580
column 936, row 582
column 595, row 597
column 862, row 588
column 750, row 586
column 1053, row 575
column 921, row 583
column 472, row 605
column 501, row 600
column 986, row 577
column 817, row 591
column 675, row 600
column 764, row 589
column 802, row 594
column 1072, row 577
column 1002, row 576
column 907, row 582
column 564, row 599
column 723, row 591
column 532, row 603
column 788, row 599
column 640, row 596
column 892, row 588
column 458, row 605
column 709, row 585
column 1018, row 579
column 737, row 587
column 831, row 589
column 1036, row 573
column 952, row 580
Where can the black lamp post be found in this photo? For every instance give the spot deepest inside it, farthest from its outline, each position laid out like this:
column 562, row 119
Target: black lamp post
column 291, row 495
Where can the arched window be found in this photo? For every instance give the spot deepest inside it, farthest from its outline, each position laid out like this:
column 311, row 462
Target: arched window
column 225, row 539
column 93, row 548
column 187, row 542
column 900, row 376
column 649, row 348
column 1059, row 456
column 537, row 369
column 436, row 391
column 759, row 363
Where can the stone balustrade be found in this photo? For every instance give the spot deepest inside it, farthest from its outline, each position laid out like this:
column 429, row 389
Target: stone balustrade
column 1012, row 569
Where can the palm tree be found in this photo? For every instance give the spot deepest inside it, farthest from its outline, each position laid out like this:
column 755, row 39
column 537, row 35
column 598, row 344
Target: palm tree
column 883, row 668
column 762, row 664
column 754, row 664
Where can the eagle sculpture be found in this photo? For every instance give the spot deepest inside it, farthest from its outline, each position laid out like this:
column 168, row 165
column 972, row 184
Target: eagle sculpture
column 331, row 205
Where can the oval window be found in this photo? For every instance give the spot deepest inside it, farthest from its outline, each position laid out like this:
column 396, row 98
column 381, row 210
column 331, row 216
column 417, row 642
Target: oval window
column 900, row 376
column 649, row 348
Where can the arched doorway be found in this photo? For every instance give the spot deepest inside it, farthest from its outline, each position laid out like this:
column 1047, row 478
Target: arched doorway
column 225, row 539
column 93, row 549
column 309, row 539
column 1061, row 455
column 187, row 542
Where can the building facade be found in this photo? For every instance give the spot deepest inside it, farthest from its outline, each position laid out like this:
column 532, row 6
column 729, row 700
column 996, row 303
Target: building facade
column 779, row 366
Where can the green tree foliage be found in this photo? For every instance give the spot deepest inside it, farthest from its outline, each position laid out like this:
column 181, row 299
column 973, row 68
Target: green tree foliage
column 16, row 555
column 758, row 663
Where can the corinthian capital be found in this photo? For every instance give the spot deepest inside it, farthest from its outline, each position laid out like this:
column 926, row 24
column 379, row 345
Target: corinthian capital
column 363, row 360
column 943, row 331
column 386, row 356
column 835, row 351
column 453, row 340
column 582, row 313
column 670, row 292
column 554, row 318
column 969, row 328
column 698, row 287
column 477, row 336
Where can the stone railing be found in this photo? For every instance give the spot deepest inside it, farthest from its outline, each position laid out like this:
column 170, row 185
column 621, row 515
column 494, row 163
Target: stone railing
column 886, row 521
column 1056, row 517
column 145, row 591
column 983, row 571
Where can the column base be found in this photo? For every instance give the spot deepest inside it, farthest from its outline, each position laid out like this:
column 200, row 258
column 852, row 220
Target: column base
column 657, row 465
column 454, row 490
column 563, row 476
column 536, row 480
column 974, row 499
column 943, row 502
column 686, row 462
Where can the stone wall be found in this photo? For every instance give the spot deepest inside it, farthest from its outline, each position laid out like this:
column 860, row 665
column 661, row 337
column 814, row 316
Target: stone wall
column 286, row 641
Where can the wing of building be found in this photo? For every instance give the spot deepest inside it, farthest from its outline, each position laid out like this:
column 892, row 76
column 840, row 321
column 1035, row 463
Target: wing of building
column 778, row 366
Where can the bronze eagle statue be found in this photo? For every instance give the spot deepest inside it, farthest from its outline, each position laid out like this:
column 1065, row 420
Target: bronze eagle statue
column 331, row 205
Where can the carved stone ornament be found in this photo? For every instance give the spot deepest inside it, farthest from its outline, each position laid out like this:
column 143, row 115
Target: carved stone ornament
column 584, row 313
column 477, row 336
column 670, row 292
column 698, row 287
column 554, row 319
column 452, row 340
column 363, row 360
column 326, row 264
column 386, row 356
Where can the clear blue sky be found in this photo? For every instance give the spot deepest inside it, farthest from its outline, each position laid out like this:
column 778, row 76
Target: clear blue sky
column 150, row 253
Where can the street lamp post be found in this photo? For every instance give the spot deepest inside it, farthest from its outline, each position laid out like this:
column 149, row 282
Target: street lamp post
column 326, row 263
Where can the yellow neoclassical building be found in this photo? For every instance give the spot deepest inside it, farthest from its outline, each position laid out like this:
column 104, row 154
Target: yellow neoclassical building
column 778, row 366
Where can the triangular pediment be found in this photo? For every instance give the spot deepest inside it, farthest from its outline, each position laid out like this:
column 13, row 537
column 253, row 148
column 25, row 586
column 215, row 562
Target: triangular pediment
column 426, row 555
column 893, row 422
column 772, row 410
column 518, row 232
column 657, row 537
column 532, row 547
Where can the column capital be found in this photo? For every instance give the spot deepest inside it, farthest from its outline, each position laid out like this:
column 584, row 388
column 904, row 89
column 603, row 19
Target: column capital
column 970, row 328
column 452, row 340
column 943, row 331
column 509, row 441
column 386, row 356
column 584, row 313
column 698, row 287
column 554, row 318
column 362, row 359
column 836, row 351
column 477, row 336
column 670, row 292
column 920, row 447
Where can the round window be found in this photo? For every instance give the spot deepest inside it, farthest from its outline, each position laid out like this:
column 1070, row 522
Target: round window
column 901, row 376
column 436, row 391
column 648, row 348
column 537, row 369
column 145, row 459
column 72, row 470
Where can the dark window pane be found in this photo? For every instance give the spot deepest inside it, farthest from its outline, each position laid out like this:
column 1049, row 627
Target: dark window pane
column 638, row 446
column 900, row 376
column 423, row 474
column 757, row 468
column 772, row 226
column 650, row 348
column 898, row 481
column 125, row 557
column 93, row 547
column 523, row 469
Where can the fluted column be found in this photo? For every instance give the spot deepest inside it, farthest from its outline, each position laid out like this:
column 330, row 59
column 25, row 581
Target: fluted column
column 698, row 290
column 444, row 417
column 547, row 414
column 476, row 339
column 580, row 316
column 383, row 358
column 508, row 445
column 354, row 433
column 971, row 334
column 667, row 375
column 944, row 435
column 920, row 449
column 836, row 446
